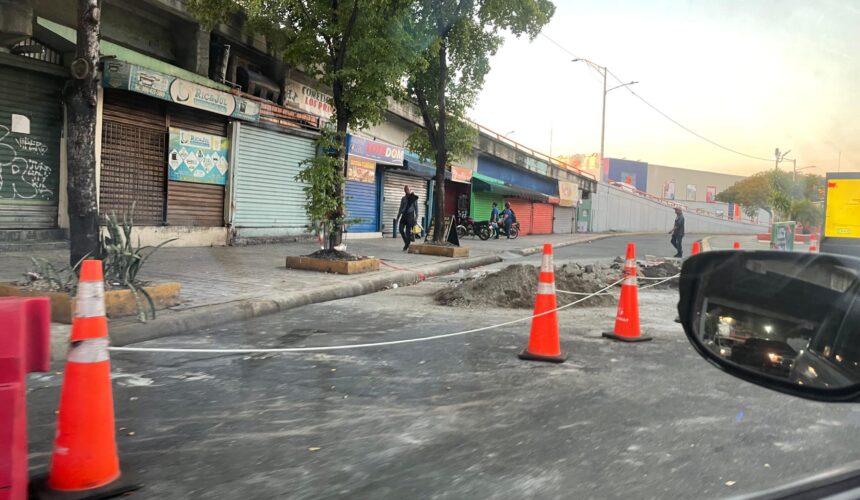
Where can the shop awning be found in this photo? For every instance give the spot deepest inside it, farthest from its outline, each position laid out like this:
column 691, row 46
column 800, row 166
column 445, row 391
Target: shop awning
column 414, row 163
column 484, row 183
column 131, row 56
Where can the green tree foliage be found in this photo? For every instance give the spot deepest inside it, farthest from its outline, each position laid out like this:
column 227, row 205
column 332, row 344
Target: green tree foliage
column 807, row 213
column 455, row 40
column 780, row 193
column 358, row 48
column 752, row 193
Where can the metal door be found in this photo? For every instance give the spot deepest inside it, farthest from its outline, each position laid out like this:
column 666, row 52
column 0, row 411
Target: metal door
column 392, row 193
column 541, row 218
column 267, row 193
column 30, row 126
column 523, row 211
column 563, row 220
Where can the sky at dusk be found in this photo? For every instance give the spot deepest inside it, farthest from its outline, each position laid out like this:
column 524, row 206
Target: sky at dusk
column 751, row 75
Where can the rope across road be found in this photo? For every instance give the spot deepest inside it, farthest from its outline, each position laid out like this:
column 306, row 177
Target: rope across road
column 191, row 350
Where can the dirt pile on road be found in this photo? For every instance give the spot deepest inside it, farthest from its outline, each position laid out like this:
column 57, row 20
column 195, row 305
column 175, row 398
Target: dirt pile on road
column 515, row 287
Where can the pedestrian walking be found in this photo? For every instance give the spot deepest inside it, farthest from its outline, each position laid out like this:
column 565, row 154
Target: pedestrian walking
column 408, row 216
column 494, row 218
column 677, row 233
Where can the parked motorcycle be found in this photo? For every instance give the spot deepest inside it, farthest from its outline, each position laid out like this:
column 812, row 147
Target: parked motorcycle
column 466, row 226
column 488, row 231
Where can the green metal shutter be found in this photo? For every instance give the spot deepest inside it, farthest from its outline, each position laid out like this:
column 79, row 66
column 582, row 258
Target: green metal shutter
column 269, row 201
column 29, row 162
column 482, row 205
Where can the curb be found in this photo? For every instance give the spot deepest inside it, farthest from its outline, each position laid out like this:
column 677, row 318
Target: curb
column 206, row 316
column 589, row 239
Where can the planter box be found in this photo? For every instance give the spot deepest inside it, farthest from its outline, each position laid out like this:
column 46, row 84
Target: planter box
column 333, row 266
column 441, row 251
column 118, row 303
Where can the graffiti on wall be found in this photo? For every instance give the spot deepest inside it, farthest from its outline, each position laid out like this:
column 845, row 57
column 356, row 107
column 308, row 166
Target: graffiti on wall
column 22, row 174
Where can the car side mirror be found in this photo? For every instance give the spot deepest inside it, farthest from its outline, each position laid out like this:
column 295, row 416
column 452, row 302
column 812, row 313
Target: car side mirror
column 783, row 320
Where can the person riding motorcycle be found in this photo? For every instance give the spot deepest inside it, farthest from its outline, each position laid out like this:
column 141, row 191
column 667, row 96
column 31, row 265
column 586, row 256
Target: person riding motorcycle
column 508, row 219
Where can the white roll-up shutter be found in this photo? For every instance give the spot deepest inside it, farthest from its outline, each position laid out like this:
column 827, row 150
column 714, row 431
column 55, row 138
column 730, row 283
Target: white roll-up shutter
column 393, row 192
column 267, row 194
column 563, row 220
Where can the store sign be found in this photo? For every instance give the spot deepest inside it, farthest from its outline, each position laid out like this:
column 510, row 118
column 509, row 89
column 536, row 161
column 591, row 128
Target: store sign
column 308, row 99
column 125, row 76
column 377, row 151
column 461, row 174
column 361, row 170
column 197, row 157
column 842, row 219
column 567, row 193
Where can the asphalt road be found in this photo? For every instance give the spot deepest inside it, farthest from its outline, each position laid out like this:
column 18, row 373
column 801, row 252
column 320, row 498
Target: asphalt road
column 453, row 418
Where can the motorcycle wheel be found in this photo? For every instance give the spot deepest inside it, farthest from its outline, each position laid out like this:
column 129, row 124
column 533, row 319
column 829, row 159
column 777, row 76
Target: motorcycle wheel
column 461, row 231
column 484, row 233
column 514, row 233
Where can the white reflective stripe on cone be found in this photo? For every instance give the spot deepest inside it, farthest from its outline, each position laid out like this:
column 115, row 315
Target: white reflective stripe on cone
column 630, row 263
column 546, row 288
column 546, row 265
column 90, row 299
column 89, row 351
column 630, row 280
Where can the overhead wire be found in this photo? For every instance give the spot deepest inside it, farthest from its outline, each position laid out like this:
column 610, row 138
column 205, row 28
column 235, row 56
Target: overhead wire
column 658, row 110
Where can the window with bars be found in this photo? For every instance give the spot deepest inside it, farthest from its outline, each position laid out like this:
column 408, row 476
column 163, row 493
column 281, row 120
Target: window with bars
column 35, row 49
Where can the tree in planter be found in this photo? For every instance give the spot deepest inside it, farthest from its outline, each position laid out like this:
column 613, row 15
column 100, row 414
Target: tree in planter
column 355, row 47
column 456, row 40
column 80, row 96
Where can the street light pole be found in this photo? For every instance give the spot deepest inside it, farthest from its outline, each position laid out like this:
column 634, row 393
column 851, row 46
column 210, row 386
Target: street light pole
column 603, row 116
column 603, row 71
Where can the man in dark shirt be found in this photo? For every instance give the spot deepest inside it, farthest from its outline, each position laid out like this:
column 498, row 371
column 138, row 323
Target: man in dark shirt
column 408, row 215
column 494, row 218
column 677, row 233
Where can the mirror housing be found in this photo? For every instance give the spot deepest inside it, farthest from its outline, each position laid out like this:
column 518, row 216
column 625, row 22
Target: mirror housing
column 787, row 321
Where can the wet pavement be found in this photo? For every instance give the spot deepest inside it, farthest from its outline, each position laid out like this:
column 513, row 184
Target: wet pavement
column 453, row 418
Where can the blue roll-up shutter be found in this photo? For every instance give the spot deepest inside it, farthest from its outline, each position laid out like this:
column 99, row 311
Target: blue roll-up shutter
column 267, row 193
column 361, row 203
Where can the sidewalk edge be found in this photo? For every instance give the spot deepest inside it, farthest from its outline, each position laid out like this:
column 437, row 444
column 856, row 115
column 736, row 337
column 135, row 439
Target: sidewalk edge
column 206, row 316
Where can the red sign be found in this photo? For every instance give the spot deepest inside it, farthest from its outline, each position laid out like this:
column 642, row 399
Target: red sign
column 461, row 174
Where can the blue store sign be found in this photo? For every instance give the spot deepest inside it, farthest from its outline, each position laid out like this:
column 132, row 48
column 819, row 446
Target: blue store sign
column 376, row 151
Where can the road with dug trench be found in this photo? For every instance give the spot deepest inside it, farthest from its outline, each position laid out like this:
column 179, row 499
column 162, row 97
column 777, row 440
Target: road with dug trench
column 459, row 417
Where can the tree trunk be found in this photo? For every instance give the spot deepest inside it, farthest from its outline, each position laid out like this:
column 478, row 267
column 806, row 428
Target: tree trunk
column 336, row 235
column 81, row 100
column 441, row 147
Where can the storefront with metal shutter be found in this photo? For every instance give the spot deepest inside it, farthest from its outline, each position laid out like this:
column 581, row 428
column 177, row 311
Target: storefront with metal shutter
column 269, row 202
column 521, row 199
column 365, row 179
column 133, row 157
column 523, row 212
column 31, row 121
column 482, row 204
column 165, row 148
column 392, row 193
column 563, row 220
column 154, row 156
column 542, row 214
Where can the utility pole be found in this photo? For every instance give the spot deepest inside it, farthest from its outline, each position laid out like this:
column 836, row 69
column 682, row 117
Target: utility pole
column 603, row 116
column 603, row 71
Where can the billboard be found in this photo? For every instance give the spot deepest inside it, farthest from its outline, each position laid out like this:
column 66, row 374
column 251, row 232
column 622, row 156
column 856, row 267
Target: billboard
column 842, row 217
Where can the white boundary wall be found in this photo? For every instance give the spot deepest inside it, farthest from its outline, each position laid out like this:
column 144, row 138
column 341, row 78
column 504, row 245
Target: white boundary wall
column 614, row 209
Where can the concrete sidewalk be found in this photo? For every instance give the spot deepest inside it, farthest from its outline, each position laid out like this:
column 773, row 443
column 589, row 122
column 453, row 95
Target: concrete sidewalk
column 223, row 284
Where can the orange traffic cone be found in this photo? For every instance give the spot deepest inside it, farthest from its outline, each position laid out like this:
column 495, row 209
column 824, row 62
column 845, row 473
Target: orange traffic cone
column 85, row 463
column 697, row 248
column 543, row 340
column 627, row 319
column 736, row 245
column 813, row 243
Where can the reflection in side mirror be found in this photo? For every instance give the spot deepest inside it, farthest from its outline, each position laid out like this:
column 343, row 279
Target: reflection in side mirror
column 788, row 321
